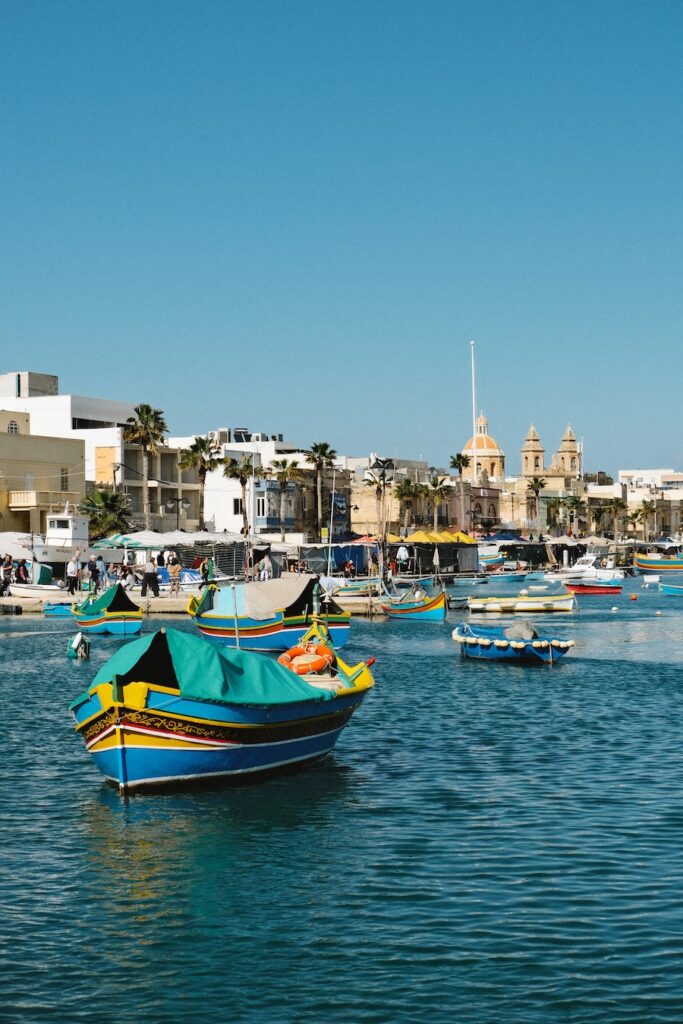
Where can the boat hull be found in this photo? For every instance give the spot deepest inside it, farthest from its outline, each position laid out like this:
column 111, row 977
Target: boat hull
column 643, row 564
column 138, row 748
column 122, row 624
column 431, row 610
column 276, row 634
column 594, row 587
column 493, row 645
column 674, row 590
column 513, row 605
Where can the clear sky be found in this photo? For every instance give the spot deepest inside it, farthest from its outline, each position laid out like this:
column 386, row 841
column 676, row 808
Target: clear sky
column 294, row 216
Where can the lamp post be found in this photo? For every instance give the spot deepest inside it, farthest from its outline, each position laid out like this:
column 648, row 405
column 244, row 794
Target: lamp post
column 177, row 504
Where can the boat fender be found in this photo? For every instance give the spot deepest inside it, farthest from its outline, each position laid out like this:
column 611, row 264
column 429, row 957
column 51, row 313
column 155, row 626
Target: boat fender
column 484, row 643
column 517, row 645
column 501, row 643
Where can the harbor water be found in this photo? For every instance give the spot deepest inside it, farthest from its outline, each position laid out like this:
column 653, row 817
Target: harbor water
column 488, row 842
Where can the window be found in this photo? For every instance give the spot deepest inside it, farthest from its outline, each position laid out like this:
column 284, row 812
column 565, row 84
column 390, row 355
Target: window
column 58, row 524
column 12, row 427
column 493, row 469
column 64, row 480
column 237, row 506
column 261, row 507
column 537, row 463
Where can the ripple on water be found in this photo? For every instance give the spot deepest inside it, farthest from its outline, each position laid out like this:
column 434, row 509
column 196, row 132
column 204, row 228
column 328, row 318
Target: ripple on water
column 488, row 842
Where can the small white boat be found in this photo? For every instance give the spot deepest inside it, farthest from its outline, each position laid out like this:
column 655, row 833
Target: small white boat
column 36, row 590
column 586, row 567
column 535, row 599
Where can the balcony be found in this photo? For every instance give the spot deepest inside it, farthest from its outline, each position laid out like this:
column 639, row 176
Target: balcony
column 24, row 501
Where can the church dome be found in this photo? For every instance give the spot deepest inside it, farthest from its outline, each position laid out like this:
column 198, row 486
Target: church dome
column 485, row 443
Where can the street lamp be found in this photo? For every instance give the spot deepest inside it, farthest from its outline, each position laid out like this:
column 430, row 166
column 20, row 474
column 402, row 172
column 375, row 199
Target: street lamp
column 177, row 504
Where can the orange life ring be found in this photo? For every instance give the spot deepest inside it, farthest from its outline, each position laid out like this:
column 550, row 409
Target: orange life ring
column 305, row 658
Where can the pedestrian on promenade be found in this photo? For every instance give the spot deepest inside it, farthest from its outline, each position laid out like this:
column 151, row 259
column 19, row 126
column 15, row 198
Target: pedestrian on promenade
column 149, row 578
column 72, row 575
column 174, row 568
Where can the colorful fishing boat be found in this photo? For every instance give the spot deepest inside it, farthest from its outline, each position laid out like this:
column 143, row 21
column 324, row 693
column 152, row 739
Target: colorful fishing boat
column 519, row 643
column 268, row 616
column 594, row 586
column 673, row 589
column 658, row 562
column 112, row 611
column 57, row 611
column 417, row 606
column 535, row 599
column 169, row 709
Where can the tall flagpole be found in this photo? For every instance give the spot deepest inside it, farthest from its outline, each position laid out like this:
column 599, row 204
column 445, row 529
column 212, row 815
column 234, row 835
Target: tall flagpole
column 474, row 419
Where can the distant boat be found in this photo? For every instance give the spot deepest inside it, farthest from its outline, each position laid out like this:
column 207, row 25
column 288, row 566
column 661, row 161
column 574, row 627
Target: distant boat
column 271, row 615
column 520, row 642
column 169, row 709
column 594, row 586
column 657, row 562
column 587, row 567
column 673, row 589
column 417, row 605
column 535, row 599
column 110, row 612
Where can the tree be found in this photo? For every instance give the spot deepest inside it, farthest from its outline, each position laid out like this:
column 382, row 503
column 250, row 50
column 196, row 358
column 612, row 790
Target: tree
column 552, row 512
column 321, row 456
column 108, row 511
column 375, row 480
column 617, row 507
column 438, row 491
column 647, row 509
column 285, row 472
column 407, row 493
column 242, row 471
column 575, row 507
column 461, row 462
column 147, row 428
column 534, row 488
column 202, row 455
column 633, row 518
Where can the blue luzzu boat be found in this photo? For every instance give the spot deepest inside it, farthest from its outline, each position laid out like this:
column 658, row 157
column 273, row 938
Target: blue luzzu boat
column 110, row 612
column 271, row 615
column 169, row 709
column 673, row 589
column 519, row 642
column 417, row 605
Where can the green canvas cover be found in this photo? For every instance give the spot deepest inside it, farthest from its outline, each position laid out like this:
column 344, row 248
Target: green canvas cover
column 113, row 600
column 203, row 671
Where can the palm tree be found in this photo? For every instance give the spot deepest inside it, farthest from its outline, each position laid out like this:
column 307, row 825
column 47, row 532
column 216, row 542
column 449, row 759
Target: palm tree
column 575, row 506
column 438, row 491
column 375, row 480
column 553, row 508
column 461, row 462
column 285, row 472
column 647, row 509
column 321, row 456
column 407, row 492
column 234, row 470
column 146, row 428
column 202, row 455
column 534, row 488
column 633, row 518
column 108, row 511
column 617, row 506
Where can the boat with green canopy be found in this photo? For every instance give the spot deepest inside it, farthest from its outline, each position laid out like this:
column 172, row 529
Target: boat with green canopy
column 169, row 709
column 112, row 611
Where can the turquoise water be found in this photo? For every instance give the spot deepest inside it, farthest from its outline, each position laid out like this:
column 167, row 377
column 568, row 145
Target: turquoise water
column 487, row 843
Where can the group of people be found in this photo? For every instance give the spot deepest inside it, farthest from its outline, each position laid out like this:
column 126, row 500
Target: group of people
column 11, row 573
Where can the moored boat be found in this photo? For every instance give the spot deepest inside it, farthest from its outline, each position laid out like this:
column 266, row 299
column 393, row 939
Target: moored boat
column 267, row 616
column 169, row 709
column 535, row 599
column 417, row 605
column 594, row 586
column 656, row 561
column 112, row 611
column 520, row 643
column 673, row 589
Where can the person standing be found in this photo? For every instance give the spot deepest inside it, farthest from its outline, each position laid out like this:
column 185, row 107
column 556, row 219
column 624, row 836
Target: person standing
column 204, row 572
column 402, row 557
column 174, row 576
column 72, row 575
column 93, row 575
column 149, row 578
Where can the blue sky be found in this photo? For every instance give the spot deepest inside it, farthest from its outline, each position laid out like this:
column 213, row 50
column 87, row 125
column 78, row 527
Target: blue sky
column 294, row 216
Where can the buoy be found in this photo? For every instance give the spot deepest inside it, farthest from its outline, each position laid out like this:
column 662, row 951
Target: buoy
column 615, row 609
column 658, row 613
column 634, row 597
